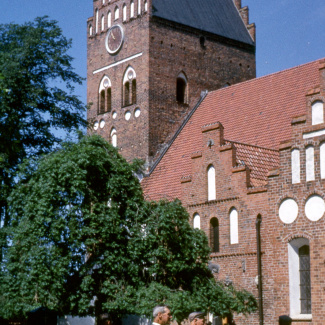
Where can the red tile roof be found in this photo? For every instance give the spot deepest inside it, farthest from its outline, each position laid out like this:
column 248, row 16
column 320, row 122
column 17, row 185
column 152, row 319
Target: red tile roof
column 256, row 112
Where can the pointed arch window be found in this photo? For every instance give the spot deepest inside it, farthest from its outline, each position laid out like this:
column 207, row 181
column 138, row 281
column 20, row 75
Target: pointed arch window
column 129, row 87
column 97, row 14
column 105, row 96
column 211, row 183
column 124, row 12
column 214, row 235
column 109, row 19
column 114, row 137
column 103, row 23
column 116, row 13
column 132, row 9
column 196, row 221
column 181, row 89
column 233, row 216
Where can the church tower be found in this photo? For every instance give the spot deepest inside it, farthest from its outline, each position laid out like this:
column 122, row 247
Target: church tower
column 149, row 61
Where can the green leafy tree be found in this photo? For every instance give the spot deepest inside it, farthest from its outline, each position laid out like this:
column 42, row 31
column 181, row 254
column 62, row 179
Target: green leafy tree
column 84, row 241
column 36, row 97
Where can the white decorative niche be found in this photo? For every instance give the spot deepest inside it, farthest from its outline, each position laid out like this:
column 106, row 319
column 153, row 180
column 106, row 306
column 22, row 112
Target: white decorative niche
column 101, row 124
column 315, row 208
column 96, row 124
column 127, row 115
column 114, row 115
column 137, row 112
column 288, row 211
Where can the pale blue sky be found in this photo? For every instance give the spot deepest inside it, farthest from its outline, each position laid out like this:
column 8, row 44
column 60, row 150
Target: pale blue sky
column 289, row 32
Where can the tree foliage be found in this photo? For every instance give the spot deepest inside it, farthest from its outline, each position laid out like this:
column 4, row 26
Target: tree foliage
column 85, row 241
column 36, row 96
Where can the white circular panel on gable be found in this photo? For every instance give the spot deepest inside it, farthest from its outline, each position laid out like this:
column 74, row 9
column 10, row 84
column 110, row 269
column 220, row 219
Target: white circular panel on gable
column 288, row 211
column 96, row 124
column 127, row 115
column 101, row 124
column 137, row 112
column 315, row 208
column 114, row 115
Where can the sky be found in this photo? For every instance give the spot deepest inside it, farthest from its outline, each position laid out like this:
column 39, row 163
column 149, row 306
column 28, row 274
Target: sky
column 289, row 32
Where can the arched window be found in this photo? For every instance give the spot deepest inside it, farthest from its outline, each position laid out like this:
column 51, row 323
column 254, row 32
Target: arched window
column 90, row 30
column 139, row 7
column 124, row 12
column 214, row 235
column 299, row 277
column 181, row 88
column 109, row 19
column 105, row 96
column 233, row 216
column 114, row 137
column 145, row 6
column 103, row 23
column 211, row 183
column 322, row 160
column 317, row 113
column 129, row 87
column 196, row 221
column 96, row 21
column 116, row 13
column 310, row 164
column 295, row 166
column 132, row 9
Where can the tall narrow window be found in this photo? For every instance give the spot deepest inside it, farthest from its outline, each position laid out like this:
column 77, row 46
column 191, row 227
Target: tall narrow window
column 116, row 13
column 103, row 23
column 145, row 6
column 124, row 12
column 139, row 7
column 310, row 164
column 114, row 137
column 129, row 87
column 211, row 183
column 109, row 19
column 233, row 226
column 295, row 166
column 322, row 160
column 97, row 21
column 299, row 277
column 132, row 9
column 214, row 235
column 196, row 221
column 105, row 96
column 181, row 88
column 317, row 113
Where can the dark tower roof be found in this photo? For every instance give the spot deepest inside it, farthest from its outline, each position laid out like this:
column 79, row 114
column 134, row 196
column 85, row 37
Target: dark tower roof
column 219, row 17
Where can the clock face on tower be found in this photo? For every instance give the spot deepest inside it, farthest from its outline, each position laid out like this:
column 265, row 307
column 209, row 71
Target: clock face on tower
column 114, row 39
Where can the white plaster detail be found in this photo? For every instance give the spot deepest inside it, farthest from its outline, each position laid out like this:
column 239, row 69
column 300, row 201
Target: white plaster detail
column 116, row 13
column 310, row 164
column 288, row 211
column 105, row 83
column 294, row 276
column 211, row 183
column 314, row 134
column 114, row 137
column 90, row 30
column 322, row 160
column 145, row 6
column 139, row 7
column 295, row 166
column 129, row 75
column 124, row 12
column 101, row 124
column 118, row 63
column 315, row 208
column 127, row 115
column 137, row 112
column 103, row 22
column 114, row 115
column 233, row 226
column 132, row 9
column 197, row 221
column 317, row 113
column 96, row 21
column 109, row 19
column 96, row 124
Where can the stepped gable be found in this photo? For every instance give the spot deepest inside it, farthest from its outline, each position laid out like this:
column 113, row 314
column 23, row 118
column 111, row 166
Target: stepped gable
column 259, row 161
column 256, row 112
column 220, row 17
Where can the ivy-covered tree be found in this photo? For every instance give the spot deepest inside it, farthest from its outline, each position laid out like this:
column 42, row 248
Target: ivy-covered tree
column 84, row 241
column 36, row 97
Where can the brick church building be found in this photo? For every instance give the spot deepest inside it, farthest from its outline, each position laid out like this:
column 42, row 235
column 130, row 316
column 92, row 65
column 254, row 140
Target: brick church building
column 173, row 82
